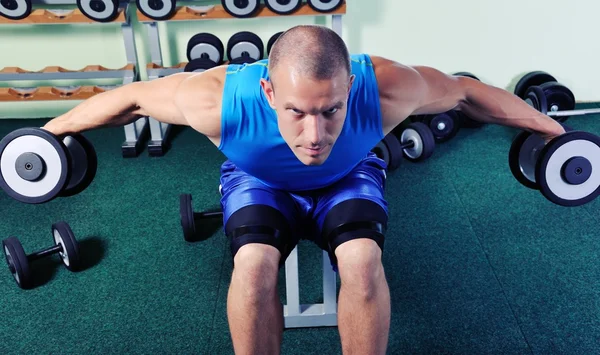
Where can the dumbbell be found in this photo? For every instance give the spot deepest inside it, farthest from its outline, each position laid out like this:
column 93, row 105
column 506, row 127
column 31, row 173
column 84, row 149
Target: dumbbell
column 159, row 10
column 36, row 166
column 283, row 7
column 444, row 125
column 241, row 9
column 466, row 121
column 414, row 143
column 565, row 170
column 325, row 6
column 15, row 9
column 244, row 47
column 204, row 51
column 99, row 10
column 19, row 263
column 272, row 40
column 189, row 217
column 544, row 93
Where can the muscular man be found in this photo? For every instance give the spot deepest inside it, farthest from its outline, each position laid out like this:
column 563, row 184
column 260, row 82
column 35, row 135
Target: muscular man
column 297, row 130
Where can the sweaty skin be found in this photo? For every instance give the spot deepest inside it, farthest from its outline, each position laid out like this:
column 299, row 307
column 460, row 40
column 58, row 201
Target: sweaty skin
column 194, row 100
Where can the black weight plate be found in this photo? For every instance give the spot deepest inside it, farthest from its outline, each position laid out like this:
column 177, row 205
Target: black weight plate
column 325, row 5
column 422, row 137
column 159, row 10
column 395, row 151
column 283, row 7
column 15, row 9
column 17, row 262
column 536, row 98
column 467, row 74
column 64, row 236
column 186, row 213
column 550, row 174
column 382, row 152
column 205, row 45
column 242, row 60
column 245, row 44
column 99, row 10
column 558, row 98
column 534, row 78
column 522, row 157
column 444, row 126
column 241, row 8
column 49, row 149
column 83, row 164
column 272, row 40
column 199, row 65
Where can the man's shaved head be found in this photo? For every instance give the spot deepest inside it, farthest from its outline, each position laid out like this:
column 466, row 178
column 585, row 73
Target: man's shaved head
column 316, row 52
column 309, row 86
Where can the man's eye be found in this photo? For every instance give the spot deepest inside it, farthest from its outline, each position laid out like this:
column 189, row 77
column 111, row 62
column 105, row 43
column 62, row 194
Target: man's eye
column 331, row 111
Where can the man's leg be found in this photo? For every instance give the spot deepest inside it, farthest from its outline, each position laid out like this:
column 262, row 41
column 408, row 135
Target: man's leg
column 353, row 216
column 258, row 222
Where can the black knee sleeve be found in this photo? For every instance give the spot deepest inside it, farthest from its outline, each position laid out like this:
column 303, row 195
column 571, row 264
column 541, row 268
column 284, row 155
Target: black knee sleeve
column 353, row 219
column 259, row 224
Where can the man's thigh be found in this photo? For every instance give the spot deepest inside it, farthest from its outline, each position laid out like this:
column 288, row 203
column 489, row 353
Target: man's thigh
column 256, row 213
column 353, row 208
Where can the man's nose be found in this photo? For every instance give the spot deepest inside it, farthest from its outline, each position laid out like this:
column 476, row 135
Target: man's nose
column 314, row 129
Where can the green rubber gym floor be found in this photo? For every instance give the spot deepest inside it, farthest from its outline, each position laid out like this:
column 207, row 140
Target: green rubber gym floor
column 476, row 262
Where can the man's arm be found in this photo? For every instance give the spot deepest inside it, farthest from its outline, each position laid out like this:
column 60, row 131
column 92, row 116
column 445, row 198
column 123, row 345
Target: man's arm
column 406, row 91
column 188, row 99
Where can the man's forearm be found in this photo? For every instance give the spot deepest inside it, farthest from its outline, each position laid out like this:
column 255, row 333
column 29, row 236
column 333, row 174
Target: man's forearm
column 110, row 108
column 494, row 105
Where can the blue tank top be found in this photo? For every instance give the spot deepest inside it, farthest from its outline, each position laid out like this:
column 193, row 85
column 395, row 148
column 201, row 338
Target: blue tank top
column 250, row 136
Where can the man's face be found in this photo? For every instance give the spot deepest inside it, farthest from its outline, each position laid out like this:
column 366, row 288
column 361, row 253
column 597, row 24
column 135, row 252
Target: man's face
column 310, row 113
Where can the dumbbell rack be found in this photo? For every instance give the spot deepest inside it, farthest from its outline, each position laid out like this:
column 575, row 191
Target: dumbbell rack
column 127, row 73
column 159, row 131
column 296, row 315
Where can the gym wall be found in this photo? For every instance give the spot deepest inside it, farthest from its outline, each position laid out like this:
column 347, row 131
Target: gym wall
column 497, row 41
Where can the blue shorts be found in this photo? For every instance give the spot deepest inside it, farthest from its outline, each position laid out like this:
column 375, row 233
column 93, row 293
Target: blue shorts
column 312, row 215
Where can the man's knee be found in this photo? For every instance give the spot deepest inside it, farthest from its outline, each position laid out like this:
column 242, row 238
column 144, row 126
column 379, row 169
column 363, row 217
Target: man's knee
column 360, row 266
column 256, row 268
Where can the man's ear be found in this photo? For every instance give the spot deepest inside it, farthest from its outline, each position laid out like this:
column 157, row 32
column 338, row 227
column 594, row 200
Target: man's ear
column 351, row 82
column 268, row 90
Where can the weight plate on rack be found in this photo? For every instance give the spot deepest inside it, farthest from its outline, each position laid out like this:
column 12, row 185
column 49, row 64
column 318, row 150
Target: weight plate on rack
column 15, row 9
column 240, row 8
column 272, row 40
column 205, row 45
column 283, row 7
column 325, row 5
column 99, row 10
column 199, row 65
column 245, row 44
column 159, row 10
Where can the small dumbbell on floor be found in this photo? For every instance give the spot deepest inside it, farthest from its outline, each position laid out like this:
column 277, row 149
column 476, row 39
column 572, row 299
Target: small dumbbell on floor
column 566, row 170
column 19, row 263
column 414, row 143
column 36, row 166
column 189, row 218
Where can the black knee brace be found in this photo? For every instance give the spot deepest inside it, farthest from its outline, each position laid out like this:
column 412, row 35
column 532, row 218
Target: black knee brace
column 259, row 224
column 353, row 219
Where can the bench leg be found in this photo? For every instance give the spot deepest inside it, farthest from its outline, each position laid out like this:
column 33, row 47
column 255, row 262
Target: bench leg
column 298, row 315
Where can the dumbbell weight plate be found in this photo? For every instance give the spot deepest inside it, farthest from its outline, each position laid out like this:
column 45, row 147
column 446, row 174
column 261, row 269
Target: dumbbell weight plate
column 395, row 151
column 186, row 212
column 64, row 236
column 534, row 78
column 17, row 262
column 34, row 165
column 444, row 126
column 272, row 40
column 325, row 5
column 245, row 44
column 283, row 7
column 522, row 157
column 199, row 65
column 240, row 8
column 99, row 10
column 382, row 152
column 15, row 9
column 83, row 163
column 558, row 98
column 242, row 60
column 568, row 169
column 205, row 45
column 424, row 142
column 159, row 10
column 536, row 98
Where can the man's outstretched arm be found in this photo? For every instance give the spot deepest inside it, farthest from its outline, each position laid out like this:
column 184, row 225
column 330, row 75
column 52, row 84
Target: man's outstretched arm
column 416, row 90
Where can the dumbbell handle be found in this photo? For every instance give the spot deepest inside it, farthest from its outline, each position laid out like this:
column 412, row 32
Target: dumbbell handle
column 589, row 111
column 408, row 144
column 208, row 215
column 43, row 253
